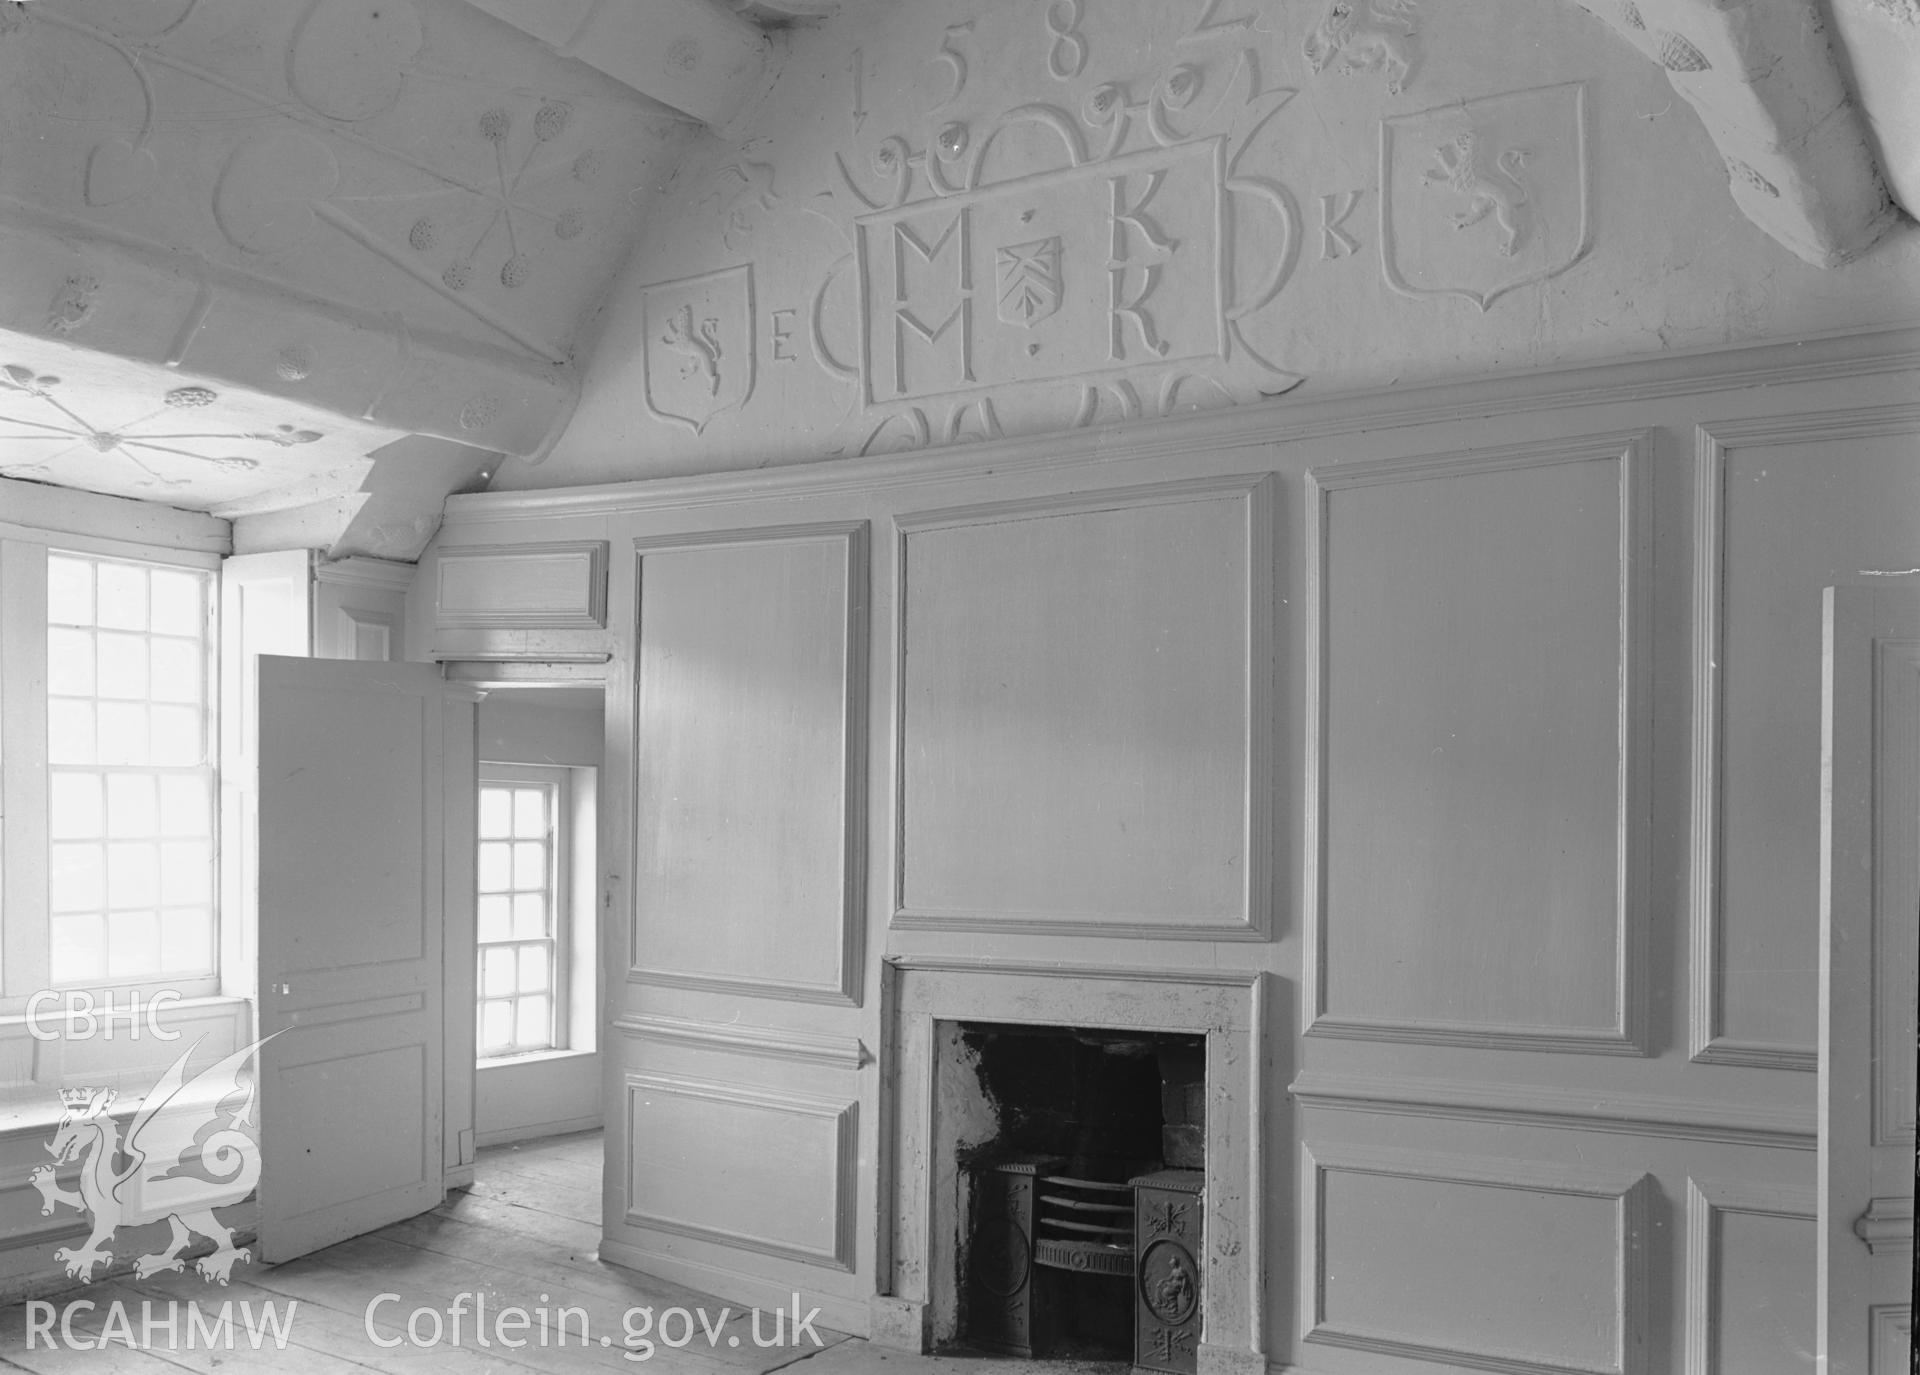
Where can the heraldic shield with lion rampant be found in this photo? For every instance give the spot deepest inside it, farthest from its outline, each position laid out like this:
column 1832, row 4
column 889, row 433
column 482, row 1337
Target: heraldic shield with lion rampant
column 1482, row 196
column 188, row 1151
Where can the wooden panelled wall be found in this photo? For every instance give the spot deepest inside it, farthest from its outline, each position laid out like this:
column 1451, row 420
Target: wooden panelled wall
column 1486, row 722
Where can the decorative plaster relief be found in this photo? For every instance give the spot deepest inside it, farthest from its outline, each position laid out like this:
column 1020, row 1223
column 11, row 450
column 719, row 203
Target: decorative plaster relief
column 1367, row 36
column 1765, row 83
column 66, row 432
column 1211, row 25
column 1111, row 270
column 349, row 58
column 118, row 171
column 857, row 65
column 268, row 193
column 347, row 63
column 227, row 200
column 699, row 344
column 781, row 327
column 73, row 303
column 1028, row 281
column 1490, row 183
column 1678, row 55
column 481, row 412
column 514, row 218
column 1335, row 240
column 1067, row 53
column 1740, row 171
column 754, row 190
column 138, row 18
column 1486, row 195
column 955, row 61
column 505, row 206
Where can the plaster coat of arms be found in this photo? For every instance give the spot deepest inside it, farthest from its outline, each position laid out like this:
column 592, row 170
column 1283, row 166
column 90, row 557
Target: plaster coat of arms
column 1481, row 197
column 699, row 341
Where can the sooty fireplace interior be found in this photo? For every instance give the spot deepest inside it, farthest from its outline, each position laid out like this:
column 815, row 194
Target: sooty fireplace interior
column 1083, row 1179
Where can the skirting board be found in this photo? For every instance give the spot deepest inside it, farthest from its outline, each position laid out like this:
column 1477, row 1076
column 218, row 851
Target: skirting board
column 534, row 1131
column 843, row 1315
column 1230, row 1360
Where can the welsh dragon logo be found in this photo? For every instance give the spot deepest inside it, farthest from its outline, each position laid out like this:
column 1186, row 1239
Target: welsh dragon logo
column 187, row 1153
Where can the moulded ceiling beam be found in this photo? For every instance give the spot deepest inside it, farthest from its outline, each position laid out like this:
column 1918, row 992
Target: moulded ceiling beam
column 1880, row 40
column 688, row 55
column 1763, row 78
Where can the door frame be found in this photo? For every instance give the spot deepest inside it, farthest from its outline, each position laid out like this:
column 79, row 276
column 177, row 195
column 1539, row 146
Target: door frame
column 460, row 997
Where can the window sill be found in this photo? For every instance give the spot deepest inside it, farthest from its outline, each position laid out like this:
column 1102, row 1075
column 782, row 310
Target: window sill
column 53, row 1016
column 538, row 1057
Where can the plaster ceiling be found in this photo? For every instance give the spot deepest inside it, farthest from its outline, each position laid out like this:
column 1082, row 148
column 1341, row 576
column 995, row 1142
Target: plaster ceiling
column 77, row 418
column 248, row 246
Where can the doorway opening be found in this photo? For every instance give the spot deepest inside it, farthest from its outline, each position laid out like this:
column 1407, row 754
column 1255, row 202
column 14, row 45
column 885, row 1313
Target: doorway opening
column 535, row 988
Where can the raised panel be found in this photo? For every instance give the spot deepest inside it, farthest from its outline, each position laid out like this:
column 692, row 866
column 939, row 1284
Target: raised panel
column 749, row 730
column 1085, row 713
column 1477, row 734
column 359, row 607
column 556, row 585
column 766, row 1172
column 355, row 855
column 1472, row 1261
column 366, row 634
column 1750, row 1279
column 389, row 1155
column 1894, row 939
column 1782, row 508
column 1891, row 1351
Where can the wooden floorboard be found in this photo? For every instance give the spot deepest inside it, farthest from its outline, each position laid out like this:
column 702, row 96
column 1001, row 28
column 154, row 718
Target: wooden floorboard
column 525, row 1236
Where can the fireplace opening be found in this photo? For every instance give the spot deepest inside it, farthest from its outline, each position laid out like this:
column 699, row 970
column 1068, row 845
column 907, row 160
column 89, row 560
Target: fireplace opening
column 1079, row 1164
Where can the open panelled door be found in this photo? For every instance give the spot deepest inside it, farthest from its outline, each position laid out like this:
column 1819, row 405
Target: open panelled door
column 1870, row 964
column 366, row 780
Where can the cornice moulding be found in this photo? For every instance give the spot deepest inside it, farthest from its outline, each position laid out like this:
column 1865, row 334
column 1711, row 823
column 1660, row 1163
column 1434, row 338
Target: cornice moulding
column 361, row 571
column 1636, row 379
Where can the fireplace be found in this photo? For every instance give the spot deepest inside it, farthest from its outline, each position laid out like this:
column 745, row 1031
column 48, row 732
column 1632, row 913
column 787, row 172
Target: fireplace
column 1081, row 1155
column 945, row 1136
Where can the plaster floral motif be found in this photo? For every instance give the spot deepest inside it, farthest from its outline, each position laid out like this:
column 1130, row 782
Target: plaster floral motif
column 32, row 413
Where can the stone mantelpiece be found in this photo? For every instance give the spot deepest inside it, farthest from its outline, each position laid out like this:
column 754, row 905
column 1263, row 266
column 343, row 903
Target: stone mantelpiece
column 917, row 1232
